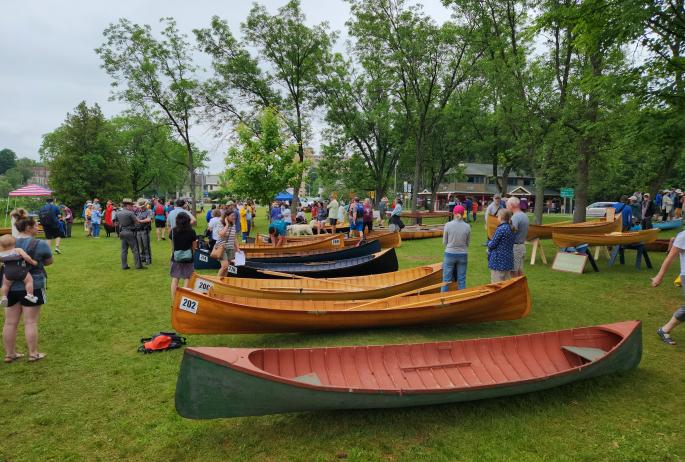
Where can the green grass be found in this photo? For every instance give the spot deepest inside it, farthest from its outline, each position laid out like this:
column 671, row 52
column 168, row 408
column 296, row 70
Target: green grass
column 95, row 398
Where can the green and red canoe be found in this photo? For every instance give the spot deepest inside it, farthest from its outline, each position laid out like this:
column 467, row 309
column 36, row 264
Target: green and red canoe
column 231, row 382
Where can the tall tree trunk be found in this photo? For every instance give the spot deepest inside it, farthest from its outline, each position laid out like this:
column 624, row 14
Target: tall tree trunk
column 587, row 146
column 539, row 195
column 417, row 176
column 191, row 171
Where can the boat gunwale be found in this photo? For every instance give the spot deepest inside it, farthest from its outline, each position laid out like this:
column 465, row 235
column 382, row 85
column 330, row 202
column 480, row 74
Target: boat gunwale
column 261, row 374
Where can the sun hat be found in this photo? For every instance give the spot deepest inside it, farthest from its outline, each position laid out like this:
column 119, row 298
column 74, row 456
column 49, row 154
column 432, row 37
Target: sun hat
column 142, row 202
column 458, row 210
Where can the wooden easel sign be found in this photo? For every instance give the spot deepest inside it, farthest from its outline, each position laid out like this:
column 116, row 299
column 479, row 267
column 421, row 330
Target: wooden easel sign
column 570, row 262
column 611, row 214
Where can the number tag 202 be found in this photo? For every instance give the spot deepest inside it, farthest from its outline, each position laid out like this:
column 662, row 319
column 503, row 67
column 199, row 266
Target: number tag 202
column 189, row 305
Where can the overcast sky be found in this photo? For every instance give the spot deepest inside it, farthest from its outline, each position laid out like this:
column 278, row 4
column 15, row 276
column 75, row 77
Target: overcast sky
column 48, row 64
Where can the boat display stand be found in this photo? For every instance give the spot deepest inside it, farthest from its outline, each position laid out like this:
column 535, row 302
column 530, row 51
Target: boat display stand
column 537, row 246
column 619, row 251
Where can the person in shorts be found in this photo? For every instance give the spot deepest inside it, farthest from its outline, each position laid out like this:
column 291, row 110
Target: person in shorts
column 49, row 216
column 18, row 305
column 333, row 207
column 228, row 239
column 159, row 212
column 519, row 224
column 677, row 251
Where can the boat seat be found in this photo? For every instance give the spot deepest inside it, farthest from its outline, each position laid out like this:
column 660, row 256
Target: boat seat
column 309, row 379
column 588, row 353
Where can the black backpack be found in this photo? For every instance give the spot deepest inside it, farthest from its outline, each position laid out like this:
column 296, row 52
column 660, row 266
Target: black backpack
column 161, row 342
column 16, row 270
column 46, row 217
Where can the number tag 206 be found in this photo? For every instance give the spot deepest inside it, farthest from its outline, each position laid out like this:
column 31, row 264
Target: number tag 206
column 189, row 305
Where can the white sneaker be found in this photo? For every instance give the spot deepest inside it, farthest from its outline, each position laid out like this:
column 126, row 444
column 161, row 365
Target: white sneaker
column 3, row 302
column 31, row 298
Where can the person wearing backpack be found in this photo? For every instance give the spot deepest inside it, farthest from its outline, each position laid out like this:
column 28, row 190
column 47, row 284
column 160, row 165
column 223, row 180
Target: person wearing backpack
column 18, row 305
column 49, row 216
column 160, row 218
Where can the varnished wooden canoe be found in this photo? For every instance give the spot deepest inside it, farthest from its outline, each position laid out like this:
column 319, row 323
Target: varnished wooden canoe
column 659, row 245
column 218, row 382
column 384, row 261
column 194, row 313
column 561, row 239
column 421, row 232
column 353, row 288
column 332, row 241
column 546, row 231
column 311, row 256
column 387, row 239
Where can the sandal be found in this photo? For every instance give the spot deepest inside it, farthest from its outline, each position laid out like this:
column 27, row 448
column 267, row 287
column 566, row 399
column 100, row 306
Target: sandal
column 665, row 337
column 36, row 357
column 12, row 358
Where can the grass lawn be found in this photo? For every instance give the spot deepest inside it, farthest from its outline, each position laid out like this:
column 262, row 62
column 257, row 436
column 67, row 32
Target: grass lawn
column 95, row 398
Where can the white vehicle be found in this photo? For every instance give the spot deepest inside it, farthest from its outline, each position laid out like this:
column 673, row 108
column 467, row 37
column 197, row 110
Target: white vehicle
column 597, row 209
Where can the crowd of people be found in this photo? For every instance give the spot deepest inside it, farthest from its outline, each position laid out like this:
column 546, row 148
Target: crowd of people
column 506, row 249
column 641, row 209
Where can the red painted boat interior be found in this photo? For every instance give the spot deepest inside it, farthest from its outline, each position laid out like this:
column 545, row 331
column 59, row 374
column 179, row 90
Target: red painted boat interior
column 439, row 366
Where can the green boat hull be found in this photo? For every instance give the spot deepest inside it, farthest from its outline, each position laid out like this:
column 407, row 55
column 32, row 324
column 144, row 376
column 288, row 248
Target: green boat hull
column 206, row 390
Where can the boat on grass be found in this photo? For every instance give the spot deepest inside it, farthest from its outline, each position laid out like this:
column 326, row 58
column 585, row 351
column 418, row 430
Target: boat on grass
column 387, row 239
column 384, row 261
column 321, row 255
column 330, row 242
column 561, row 239
column 219, row 382
column 351, row 288
column 195, row 313
column 546, row 231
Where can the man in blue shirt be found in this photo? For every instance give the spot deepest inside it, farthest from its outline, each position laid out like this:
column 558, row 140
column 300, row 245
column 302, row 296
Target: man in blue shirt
column 626, row 212
column 49, row 216
column 171, row 217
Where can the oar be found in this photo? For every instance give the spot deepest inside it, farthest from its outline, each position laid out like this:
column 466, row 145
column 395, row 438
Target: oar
column 296, row 276
column 441, row 298
column 415, row 291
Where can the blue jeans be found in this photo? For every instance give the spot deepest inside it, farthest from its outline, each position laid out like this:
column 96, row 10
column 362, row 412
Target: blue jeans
column 96, row 229
column 454, row 267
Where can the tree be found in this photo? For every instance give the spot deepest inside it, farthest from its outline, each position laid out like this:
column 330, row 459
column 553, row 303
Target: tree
column 155, row 75
column 428, row 62
column 7, row 160
column 263, row 164
column 155, row 161
column 292, row 55
column 363, row 118
column 83, row 159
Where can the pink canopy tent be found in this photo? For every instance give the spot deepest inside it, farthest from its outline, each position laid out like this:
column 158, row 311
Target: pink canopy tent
column 30, row 190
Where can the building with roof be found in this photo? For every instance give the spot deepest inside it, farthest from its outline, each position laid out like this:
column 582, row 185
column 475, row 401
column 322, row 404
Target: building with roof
column 479, row 183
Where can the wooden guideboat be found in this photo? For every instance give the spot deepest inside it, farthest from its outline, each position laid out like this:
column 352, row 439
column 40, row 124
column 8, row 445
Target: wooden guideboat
column 218, row 382
column 353, row 288
column 311, row 256
column 546, row 231
column 332, row 241
column 561, row 239
column 384, row 261
column 409, row 233
column 194, row 313
column 664, row 225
